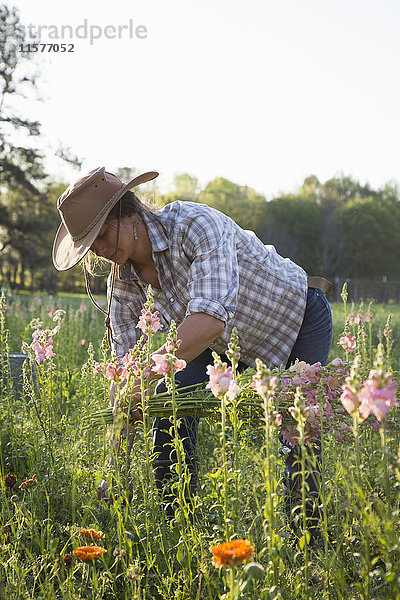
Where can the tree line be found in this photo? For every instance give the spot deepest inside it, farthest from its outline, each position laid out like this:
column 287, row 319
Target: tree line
column 339, row 228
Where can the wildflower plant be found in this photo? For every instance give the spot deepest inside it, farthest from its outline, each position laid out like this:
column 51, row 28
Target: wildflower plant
column 230, row 557
column 150, row 556
column 224, row 386
column 375, row 395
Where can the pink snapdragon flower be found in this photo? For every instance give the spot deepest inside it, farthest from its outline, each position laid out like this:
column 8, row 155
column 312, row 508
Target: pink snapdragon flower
column 355, row 319
column 311, row 372
column 331, row 381
column 163, row 364
column 305, row 372
column 172, row 344
column 148, row 319
column 277, row 418
column 59, row 314
column 263, row 385
column 133, row 365
column 42, row 343
column 348, row 342
column 98, row 369
column 337, row 362
column 318, row 383
column 222, row 381
column 111, row 371
column 378, row 395
column 349, row 398
column 298, row 366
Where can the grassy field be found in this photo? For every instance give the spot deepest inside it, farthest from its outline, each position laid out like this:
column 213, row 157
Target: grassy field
column 59, row 464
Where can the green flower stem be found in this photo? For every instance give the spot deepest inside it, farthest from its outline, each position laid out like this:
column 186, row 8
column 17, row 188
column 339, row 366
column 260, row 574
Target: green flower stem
column 303, row 505
column 176, row 424
column 269, row 512
column 322, row 494
column 39, row 415
column 225, row 467
column 145, row 413
column 385, row 463
column 360, row 504
column 235, row 467
column 233, row 591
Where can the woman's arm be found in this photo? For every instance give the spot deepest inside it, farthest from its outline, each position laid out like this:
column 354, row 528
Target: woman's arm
column 196, row 333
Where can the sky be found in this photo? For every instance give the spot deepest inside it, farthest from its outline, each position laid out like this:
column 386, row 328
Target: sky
column 261, row 92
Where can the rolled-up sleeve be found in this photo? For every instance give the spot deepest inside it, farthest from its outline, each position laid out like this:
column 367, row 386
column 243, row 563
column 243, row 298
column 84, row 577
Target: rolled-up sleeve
column 213, row 277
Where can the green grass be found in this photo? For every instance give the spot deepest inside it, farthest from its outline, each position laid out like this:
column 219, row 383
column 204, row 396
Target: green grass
column 148, row 556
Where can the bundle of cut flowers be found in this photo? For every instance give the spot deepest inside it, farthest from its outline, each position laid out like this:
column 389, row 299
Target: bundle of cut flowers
column 260, row 393
column 321, row 387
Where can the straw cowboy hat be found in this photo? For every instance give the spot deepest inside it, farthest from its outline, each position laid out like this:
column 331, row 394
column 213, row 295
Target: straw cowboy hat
column 84, row 206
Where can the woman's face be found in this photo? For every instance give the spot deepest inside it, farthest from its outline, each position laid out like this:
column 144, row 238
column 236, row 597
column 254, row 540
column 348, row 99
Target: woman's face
column 105, row 243
column 137, row 250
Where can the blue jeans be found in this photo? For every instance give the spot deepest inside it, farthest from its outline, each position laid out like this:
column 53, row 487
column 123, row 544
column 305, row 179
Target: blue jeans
column 312, row 345
column 315, row 336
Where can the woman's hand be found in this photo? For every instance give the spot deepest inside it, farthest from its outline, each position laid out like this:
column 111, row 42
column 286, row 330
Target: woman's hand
column 122, row 403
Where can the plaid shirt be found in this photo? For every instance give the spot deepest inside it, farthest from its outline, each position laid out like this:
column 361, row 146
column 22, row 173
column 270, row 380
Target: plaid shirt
column 207, row 263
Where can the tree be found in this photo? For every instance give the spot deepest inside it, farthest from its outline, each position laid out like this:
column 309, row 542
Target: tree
column 241, row 203
column 371, row 236
column 28, row 219
column 186, row 188
column 21, row 170
column 126, row 173
column 21, row 166
column 331, row 197
column 336, row 228
column 292, row 226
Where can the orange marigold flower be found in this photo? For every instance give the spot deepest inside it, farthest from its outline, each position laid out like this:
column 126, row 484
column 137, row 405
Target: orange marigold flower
column 92, row 533
column 88, row 553
column 231, row 553
column 9, row 480
column 28, row 483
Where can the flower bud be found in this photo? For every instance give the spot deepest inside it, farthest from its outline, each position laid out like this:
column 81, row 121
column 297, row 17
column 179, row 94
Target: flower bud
column 253, row 571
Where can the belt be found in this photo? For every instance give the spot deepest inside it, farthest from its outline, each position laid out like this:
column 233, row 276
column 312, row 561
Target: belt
column 320, row 283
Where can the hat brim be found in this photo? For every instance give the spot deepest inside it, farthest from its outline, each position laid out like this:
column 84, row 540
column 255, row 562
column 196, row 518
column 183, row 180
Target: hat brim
column 66, row 252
